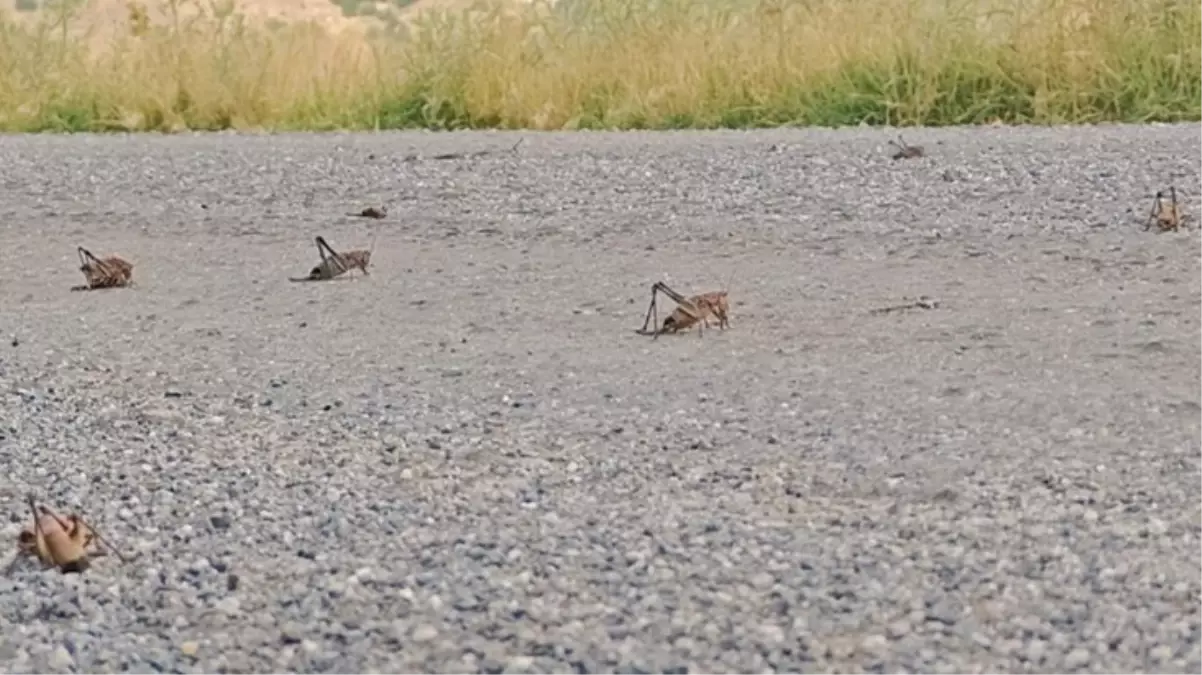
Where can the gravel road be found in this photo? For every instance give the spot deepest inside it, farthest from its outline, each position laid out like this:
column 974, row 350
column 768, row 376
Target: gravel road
column 470, row 461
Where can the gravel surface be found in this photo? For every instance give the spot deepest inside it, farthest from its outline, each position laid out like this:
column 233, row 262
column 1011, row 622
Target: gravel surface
column 469, row 460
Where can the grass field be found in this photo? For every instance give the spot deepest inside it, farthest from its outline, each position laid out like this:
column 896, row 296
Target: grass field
column 621, row 64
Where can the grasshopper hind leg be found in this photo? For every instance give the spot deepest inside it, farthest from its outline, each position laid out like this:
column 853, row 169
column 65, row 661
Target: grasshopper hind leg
column 652, row 316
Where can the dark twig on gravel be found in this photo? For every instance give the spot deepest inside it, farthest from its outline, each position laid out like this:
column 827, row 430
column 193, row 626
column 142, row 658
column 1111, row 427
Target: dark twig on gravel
column 464, row 155
column 371, row 212
column 923, row 302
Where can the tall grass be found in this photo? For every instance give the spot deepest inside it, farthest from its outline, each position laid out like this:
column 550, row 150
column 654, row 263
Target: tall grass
column 622, row 64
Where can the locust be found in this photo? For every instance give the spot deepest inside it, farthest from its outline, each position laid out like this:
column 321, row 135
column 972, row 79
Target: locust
column 1166, row 214
column 64, row 543
column 689, row 312
column 110, row 272
column 334, row 264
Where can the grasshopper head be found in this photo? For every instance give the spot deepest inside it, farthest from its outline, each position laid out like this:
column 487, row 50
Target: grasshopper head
column 27, row 541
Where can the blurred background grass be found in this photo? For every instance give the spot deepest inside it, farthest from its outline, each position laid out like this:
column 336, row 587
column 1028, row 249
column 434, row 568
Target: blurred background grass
column 181, row 64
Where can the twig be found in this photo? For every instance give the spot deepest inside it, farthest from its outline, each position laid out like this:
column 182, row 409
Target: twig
column 922, row 303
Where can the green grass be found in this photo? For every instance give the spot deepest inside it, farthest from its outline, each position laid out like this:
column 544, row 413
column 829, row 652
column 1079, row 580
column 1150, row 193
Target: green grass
column 368, row 7
column 623, row 64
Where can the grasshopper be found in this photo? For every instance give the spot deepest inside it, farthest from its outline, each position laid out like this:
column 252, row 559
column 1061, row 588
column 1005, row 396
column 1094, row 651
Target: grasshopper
column 1166, row 214
column 334, row 264
column 65, row 543
column 111, row 272
column 689, row 312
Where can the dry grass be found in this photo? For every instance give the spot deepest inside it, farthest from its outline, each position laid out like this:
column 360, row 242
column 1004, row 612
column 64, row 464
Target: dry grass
column 622, row 64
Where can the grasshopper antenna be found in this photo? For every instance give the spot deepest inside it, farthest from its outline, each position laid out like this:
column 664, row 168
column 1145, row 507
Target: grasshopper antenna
column 33, row 509
column 730, row 279
column 86, row 257
column 1155, row 210
column 102, row 540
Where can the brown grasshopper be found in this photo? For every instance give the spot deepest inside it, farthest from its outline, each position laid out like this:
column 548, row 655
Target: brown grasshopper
column 695, row 310
column 906, row 151
column 111, row 272
column 1166, row 215
column 59, row 542
column 334, row 264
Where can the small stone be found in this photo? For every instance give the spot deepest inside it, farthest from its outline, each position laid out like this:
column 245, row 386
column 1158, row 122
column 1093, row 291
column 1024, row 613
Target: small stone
column 219, row 522
column 1157, row 527
column 684, row 645
column 229, row 606
column 943, row 612
column 772, row 634
column 1078, row 658
column 762, row 581
column 468, row 603
column 1035, row 651
column 519, row 664
column 189, row 648
column 162, row 415
column 61, row 659
column 1007, row 647
column 1161, row 653
column 874, row 644
column 424, row 633
column 840, row 648
column 291, row 633
column 1091, row 516
column 898, row 629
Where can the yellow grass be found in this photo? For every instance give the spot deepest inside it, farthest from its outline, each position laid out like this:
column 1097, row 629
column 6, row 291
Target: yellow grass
column 621, row 64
